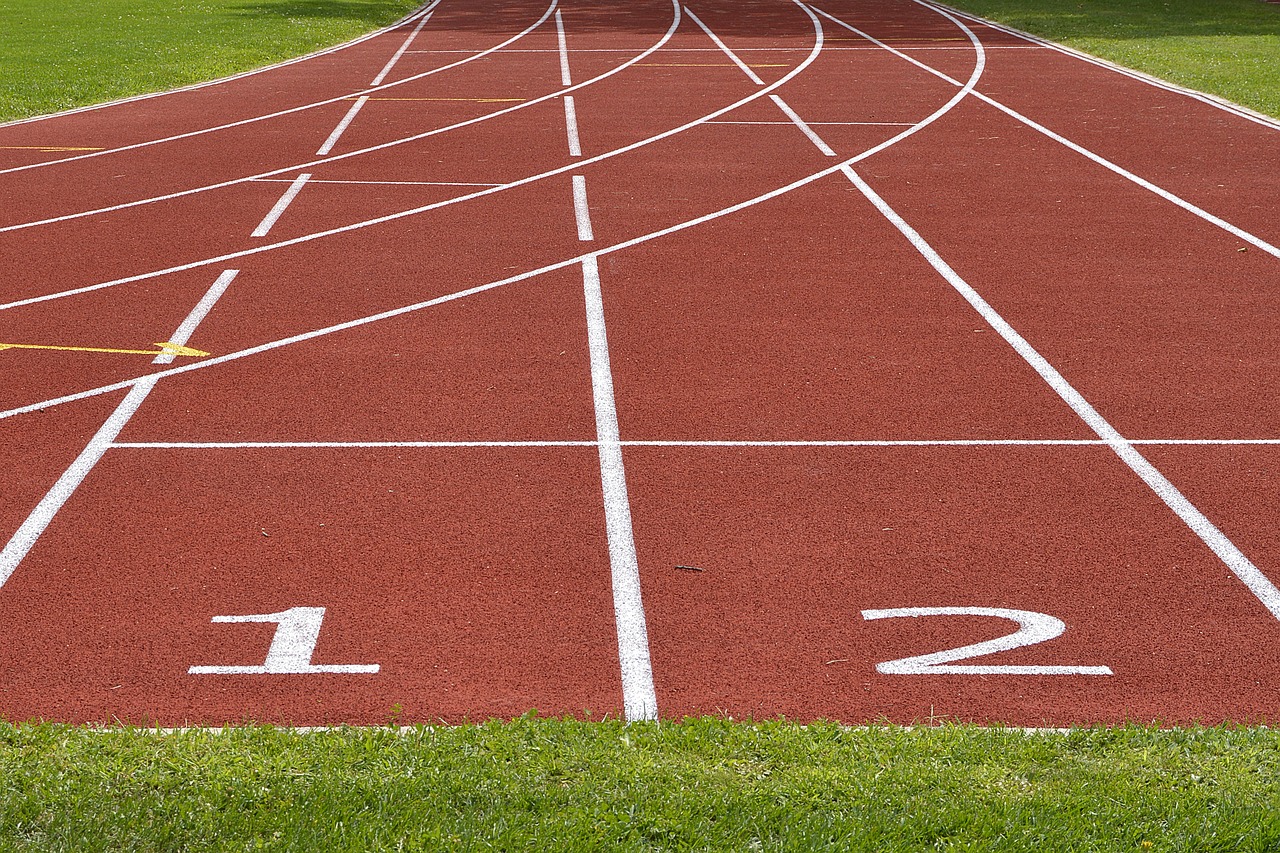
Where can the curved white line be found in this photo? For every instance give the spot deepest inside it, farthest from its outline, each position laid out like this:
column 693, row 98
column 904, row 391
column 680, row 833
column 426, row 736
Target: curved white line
column 125, row 384
column 302, row 108
column 409, row 18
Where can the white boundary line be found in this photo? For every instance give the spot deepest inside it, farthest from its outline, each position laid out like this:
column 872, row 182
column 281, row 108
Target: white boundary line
column 1079, row 149
column 422, row 10
column 746, row 69
column 581, row 212
column 1204, row 97
column 640, row 701
column 566, row 79
column 302, row 337
column 727, row 443
column 197, row 315
column 804, row 128
column 1258, row 583
column 342, row 126
column 26, row 536
column 571, row 126
column 391, row 63
column 273, row 215
column 301, row 108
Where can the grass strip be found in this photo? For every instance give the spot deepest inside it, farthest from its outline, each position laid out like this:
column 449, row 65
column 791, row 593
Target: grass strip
column 58, row 55
column 706, row 784
column 1229, row 48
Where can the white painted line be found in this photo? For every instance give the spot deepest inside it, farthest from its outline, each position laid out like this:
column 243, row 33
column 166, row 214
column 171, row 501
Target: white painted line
column 639, row 698
column 26, row 536
column 729, row 443
column 382, row 75
column 337, row 445
column 264, row 227
column 751, row 75
column 822, row 123
column 804, row 128
column 565, row 78
column 342, row 126
column 197, row 315
column 1236, row 561
column 362, row 151
column 1079, row 149
column 571, row 126
column 581, row 213
column 393, row 183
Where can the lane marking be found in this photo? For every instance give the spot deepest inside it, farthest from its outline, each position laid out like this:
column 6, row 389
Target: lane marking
column 466, row 100
column 824, row 123
column 804, row 128
column 403, row 310
column 581, row 213
column 26, row 536
column 640, row 700
column 1235, row 560
column 394, row 183
column 571, row 126
column 264, row 227
column 342, row 126
column 230, row 78
column 711, row 65
column 362, row 151
column 291, row 649
column 197, row 315
column 1079, row 149
column 746, row 69
column 391, row 63
column 565, row 78
column 169, row 348
column 730, row 443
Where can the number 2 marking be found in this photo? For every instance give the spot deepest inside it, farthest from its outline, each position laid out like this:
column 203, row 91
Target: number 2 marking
column 1033, row 628
column 297, row 630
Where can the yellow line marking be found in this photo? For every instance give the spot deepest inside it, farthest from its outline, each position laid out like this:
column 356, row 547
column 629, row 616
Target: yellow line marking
column 166, row 348
column 471, row 100
column 46, row 148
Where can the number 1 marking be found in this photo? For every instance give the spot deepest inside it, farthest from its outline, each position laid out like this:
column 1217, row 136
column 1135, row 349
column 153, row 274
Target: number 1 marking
column 297, row 630
column 1032, row 628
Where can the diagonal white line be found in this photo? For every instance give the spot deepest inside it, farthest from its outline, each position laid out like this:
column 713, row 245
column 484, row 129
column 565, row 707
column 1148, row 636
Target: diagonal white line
column 565, row 78
column 724, row 47
column 342, row 126
column 581, row 212
column 197, row 315
column 804, row 128
column 264, row 227
column 1258, row 583
column 391, row 63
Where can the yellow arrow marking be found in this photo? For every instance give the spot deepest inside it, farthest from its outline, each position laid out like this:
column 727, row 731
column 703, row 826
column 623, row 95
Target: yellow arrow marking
column 45, row 148
column 166, row 348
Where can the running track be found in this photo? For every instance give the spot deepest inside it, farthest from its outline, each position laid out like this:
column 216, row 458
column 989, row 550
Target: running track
column 657, row 360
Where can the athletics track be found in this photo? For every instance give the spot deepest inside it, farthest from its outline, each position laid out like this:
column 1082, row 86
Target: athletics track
column 644, row 360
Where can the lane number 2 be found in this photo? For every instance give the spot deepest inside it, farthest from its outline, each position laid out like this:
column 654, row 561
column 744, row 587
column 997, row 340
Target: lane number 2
column 297, row 630
column 1033, row 628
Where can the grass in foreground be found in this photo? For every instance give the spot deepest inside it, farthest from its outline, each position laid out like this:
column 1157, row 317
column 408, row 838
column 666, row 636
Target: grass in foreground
column 1230, row 48
column 703, row 784
column 58, row 55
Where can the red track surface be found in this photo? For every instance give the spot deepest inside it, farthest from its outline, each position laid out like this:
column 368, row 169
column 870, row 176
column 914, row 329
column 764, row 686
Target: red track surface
column 1004, row 346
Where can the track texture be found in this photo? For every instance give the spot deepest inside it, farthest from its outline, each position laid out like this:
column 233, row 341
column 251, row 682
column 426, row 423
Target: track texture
column 644, row 361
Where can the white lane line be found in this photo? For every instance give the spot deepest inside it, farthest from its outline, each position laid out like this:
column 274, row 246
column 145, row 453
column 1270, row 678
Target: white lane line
column 342, row 126
column 1235, row 560
column 639, row 698
column 394, row 183
column 372, row 148
column 565, row 78
column 230, row 78
column 1040, row 43
column 640, row 442
column 26, row 536
column 382, row 75
column 804, row 128
column 379, row 317
column 571, row 126
column 725, row 48
column 264, row 227
column 197, row 315
column 302, row 108
column 1079, row 149
column 824, row 123
column 581, row 213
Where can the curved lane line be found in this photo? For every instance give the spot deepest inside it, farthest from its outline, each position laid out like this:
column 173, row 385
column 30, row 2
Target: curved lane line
column 570, row 262
column 407, row 19
column 301, row 108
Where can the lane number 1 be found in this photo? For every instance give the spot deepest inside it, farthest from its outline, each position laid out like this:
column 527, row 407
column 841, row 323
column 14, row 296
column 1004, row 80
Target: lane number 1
column 1033, row 628
column 297, row 630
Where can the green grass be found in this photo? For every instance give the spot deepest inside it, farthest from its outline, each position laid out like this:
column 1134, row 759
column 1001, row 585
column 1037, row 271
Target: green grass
column 55, row 55
column 1229, row 48
column 701, row 785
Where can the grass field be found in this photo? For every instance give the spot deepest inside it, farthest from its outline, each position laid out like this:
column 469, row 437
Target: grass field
column 703, row 785
column 55, row 55
column 552, row 784
column 1230, row 48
